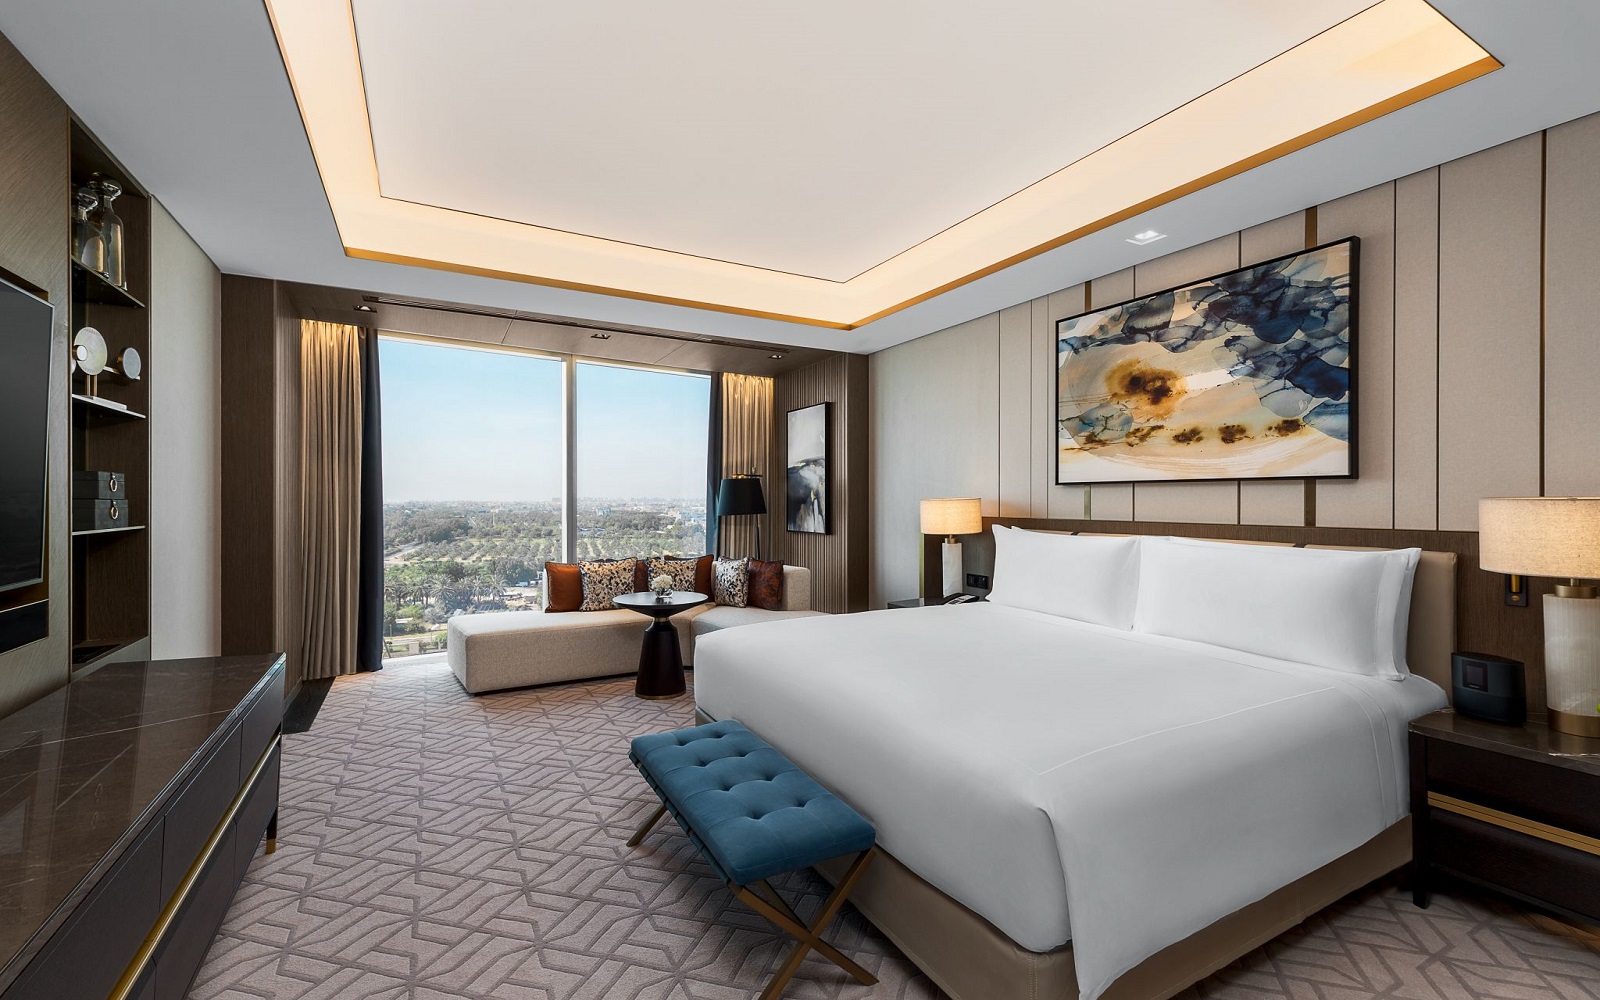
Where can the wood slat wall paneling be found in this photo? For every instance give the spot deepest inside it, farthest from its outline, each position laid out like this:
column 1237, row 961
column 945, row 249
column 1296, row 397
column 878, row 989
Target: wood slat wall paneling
column 1016, row 411
column 1368, row 500
column 1060, row 501
column 1216, row 503
column 838, row 560
column 1272, row 501
column 1572, row 345
column 34, row 227
column 1112, row 500
column 1489, row 322
column 1416, row 350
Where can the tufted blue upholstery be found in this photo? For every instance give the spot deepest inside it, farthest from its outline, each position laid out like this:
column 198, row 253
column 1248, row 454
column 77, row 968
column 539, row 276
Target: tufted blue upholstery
column 752, row 813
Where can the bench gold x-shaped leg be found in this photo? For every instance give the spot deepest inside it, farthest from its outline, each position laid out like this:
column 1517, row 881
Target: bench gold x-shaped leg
column 806, row 937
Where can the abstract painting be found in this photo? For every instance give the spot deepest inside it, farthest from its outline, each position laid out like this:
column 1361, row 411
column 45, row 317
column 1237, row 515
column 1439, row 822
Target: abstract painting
column 807, row 489
column 1247, row 375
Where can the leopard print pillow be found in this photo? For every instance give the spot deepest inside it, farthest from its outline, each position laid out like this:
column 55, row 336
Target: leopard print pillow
column 731, row 582
column 604, row 581
column 681, row 571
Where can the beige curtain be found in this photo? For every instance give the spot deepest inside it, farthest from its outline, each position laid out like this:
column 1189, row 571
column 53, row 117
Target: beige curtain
column 330, row 495
column 747, row 436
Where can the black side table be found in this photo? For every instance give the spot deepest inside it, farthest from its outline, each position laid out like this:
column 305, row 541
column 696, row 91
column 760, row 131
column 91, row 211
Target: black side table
column 924, row 602
column 1510, row 808
column 661, row 658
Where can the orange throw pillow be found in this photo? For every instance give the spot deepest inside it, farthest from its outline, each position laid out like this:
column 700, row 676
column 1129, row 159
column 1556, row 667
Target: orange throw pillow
column 766, row 584
column 566, row 587
column 702, row 575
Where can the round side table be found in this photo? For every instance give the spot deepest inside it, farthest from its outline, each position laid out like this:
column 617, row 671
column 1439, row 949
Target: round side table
column 661, row 658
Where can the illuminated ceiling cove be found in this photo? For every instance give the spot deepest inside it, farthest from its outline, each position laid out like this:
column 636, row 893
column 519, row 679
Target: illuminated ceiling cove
column 828, row 163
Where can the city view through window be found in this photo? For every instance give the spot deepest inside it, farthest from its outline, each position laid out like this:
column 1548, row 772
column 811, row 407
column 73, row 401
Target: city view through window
column 473, row 453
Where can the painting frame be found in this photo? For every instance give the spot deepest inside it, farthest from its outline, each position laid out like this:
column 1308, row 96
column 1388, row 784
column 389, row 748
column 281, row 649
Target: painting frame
column 1351, row 447
column 808, row 484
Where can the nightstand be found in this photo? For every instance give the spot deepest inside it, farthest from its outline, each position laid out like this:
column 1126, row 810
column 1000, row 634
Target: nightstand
column 1511, row 808
column 922, row 602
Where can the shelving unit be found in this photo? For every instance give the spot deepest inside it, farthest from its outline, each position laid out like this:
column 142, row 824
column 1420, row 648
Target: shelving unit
column 110, row 432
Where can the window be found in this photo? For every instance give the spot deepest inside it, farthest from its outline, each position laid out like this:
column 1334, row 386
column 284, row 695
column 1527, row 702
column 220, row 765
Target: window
column 475, row 484
column 472, row 485
column 641, row 458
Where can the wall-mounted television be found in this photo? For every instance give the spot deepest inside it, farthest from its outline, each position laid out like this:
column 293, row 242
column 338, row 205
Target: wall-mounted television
column 26, row 322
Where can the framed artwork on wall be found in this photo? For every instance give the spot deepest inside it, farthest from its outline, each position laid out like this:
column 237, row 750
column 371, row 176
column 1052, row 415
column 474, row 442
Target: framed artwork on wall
column 806, row 469
column 1245, row 375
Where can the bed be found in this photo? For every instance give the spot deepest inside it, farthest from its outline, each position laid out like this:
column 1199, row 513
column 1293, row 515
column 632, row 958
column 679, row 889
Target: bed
column 1073, row 810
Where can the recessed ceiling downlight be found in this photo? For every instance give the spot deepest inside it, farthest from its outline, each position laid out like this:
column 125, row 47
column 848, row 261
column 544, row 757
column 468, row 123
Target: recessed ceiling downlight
column 1146, row 238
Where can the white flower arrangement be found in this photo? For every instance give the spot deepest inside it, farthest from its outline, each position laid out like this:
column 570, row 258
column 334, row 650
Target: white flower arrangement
column 662, row 584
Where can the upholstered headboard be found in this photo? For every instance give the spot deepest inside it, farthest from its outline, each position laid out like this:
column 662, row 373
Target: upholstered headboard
column 1432, row 632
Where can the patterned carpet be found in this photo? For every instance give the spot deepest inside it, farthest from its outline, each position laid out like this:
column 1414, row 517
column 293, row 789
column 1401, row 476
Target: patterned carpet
column 437, row 845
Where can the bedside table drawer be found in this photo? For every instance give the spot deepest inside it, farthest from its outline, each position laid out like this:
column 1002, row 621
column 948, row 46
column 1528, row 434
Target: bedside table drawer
column 1534, row 869
column 1557, row 796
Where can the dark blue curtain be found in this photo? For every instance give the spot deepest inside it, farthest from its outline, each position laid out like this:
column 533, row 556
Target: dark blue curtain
column 369, row 568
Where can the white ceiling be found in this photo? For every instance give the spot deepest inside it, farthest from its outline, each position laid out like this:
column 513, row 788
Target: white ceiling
column 192, row 95
column 817, row 139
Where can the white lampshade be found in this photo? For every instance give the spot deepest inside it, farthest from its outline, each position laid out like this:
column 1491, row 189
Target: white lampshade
column 952, row 516
column 1557, row 537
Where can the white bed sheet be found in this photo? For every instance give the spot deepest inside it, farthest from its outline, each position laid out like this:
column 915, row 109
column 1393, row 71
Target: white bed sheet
column 1033, row 767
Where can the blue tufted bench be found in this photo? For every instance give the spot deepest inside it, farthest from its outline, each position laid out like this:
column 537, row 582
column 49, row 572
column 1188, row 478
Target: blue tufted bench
column 753, row 814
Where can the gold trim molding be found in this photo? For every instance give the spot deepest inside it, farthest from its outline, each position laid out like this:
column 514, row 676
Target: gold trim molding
column 1516, row 824
column 1389, row 56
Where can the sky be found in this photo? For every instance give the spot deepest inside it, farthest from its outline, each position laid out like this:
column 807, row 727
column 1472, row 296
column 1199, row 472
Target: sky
column 464, row 424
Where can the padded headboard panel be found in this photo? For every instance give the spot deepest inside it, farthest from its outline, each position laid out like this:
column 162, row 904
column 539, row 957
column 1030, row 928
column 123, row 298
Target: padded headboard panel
column 1432, row 631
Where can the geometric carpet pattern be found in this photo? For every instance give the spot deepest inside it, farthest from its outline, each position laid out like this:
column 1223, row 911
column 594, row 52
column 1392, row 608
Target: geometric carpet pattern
column 436, row 845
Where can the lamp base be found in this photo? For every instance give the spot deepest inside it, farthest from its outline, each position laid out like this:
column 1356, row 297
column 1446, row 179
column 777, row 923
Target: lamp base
column 952, row 568
column 1572, row 664
column 1575, row 725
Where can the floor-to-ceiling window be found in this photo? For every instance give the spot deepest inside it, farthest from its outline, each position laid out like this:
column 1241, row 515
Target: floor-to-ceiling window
column 472, row 484
column 476, row 482
column 641, row 461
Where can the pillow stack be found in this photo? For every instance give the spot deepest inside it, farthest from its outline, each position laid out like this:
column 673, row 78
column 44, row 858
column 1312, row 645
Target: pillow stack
column 593, row 585
column 1342, row 610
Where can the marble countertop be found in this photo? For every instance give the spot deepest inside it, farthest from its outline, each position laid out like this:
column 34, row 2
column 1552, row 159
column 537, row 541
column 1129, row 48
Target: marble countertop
column 84, row 769
column 1532, row 741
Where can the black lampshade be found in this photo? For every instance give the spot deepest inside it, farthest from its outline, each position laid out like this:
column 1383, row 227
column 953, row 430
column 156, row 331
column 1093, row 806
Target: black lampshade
column 741, row 495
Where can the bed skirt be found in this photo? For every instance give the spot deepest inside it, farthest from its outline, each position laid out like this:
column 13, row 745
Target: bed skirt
column 971, row 960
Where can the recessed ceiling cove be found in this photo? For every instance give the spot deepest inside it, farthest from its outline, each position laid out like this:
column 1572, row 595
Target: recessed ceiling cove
column 829, row 162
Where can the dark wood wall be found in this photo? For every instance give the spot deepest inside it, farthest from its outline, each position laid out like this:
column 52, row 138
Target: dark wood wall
column 1484, row 622
column 838, row 560
column 261, row 586
column 35, row 217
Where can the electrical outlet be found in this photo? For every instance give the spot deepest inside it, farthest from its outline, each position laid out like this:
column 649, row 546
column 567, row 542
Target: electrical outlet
column 978, row 580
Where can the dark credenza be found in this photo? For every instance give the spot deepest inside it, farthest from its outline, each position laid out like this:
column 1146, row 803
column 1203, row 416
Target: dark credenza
column 131, row 803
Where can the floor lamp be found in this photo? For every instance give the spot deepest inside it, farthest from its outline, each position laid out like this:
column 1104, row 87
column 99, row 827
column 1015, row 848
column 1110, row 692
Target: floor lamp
column 742, row 495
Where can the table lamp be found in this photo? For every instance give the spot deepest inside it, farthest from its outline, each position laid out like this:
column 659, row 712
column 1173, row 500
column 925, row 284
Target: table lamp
column 951, row 517
column 742, row 495
column 1555, row 537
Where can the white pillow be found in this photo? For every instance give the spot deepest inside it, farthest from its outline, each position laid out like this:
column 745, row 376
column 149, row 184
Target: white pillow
column 1073, row 576
column 1342, row 610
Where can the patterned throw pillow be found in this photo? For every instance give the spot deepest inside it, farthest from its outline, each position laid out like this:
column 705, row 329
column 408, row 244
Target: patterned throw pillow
column 681, row 571
column 731, row 582
column 604, row 581
column 766, row 584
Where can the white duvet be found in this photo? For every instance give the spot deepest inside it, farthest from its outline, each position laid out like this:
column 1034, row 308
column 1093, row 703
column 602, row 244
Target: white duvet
column 1033, row 767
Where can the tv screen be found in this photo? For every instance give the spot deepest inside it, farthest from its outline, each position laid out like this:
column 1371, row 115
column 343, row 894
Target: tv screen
column 25, row 326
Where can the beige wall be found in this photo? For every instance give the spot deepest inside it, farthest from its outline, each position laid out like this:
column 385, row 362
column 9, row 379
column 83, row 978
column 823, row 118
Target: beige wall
column 185, row 454
column 1478, row 366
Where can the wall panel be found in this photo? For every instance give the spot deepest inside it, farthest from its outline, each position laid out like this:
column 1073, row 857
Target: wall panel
column 1416, row 351
column 1042, row 406
column 1213, row 503
column 838, row 559
column 1572, row 275
column 1016, row 410
column 935, row 433
column 1489, row 364
column 1274, row 501
column 1368, row 500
